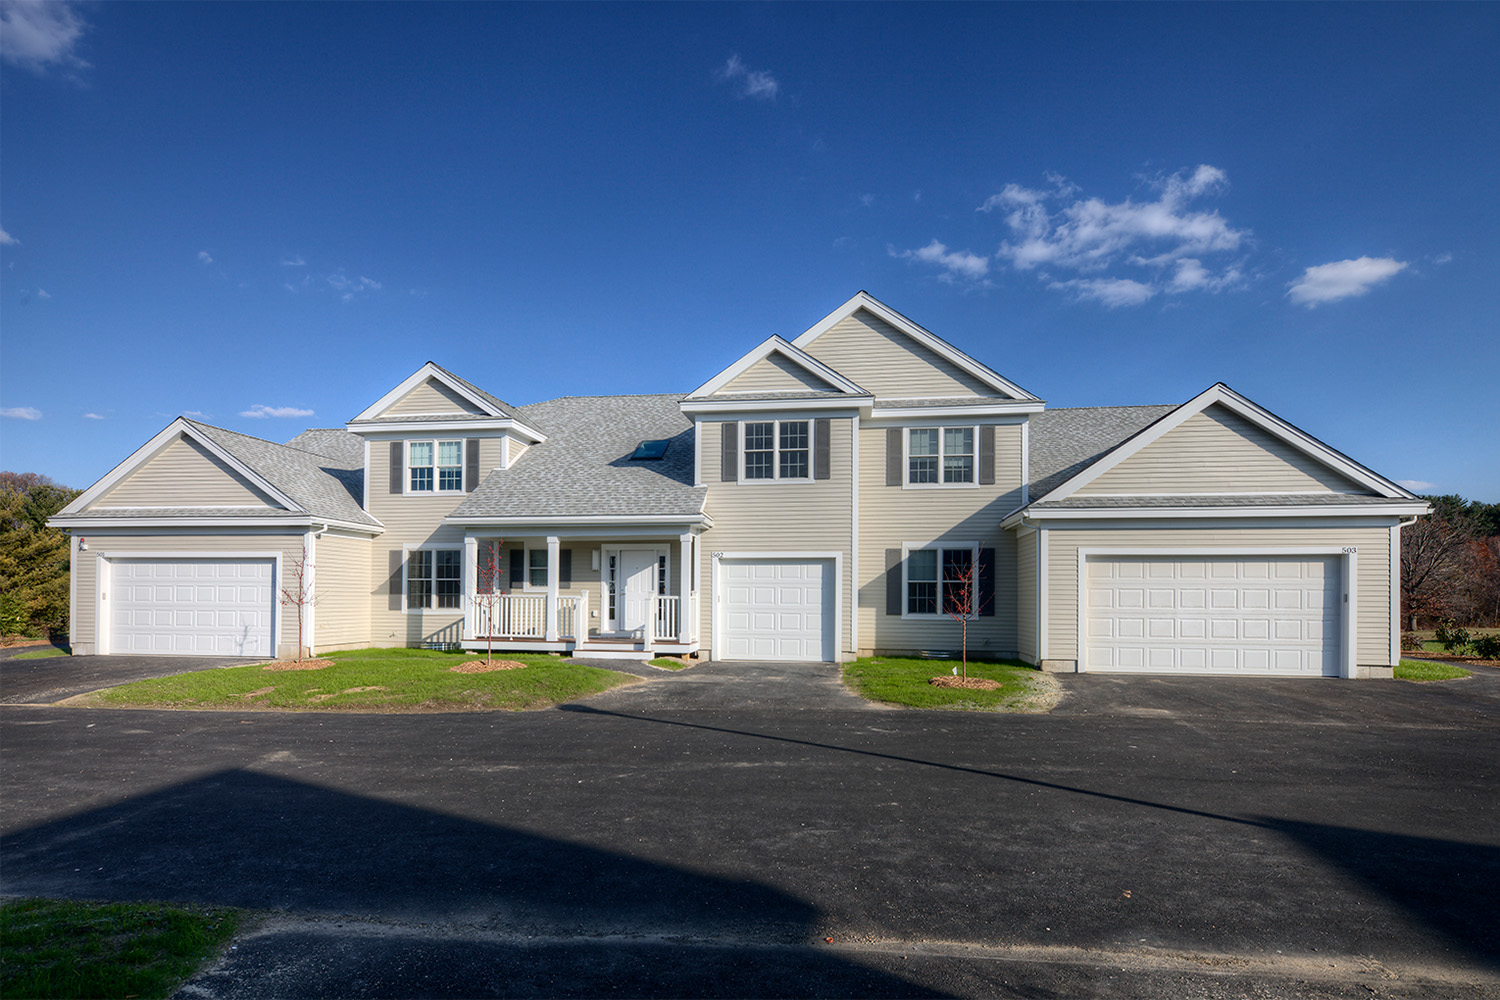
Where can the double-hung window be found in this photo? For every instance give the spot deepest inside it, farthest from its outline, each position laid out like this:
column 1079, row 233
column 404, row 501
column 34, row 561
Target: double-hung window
column 435, row 466
column 939, row 456
column 434, row 578
column 536, row 568
column 778, row 449
column 942, row 581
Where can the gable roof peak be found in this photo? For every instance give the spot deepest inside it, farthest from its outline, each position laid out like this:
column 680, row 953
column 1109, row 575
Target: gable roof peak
column 774, row 344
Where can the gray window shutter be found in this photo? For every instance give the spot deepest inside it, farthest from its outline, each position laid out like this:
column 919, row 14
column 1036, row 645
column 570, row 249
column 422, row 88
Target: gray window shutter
column 397, row 580
column 986, row 583
column 821, row 433
column 894, row 473
column 729, row 452
column 398, row 466
column 987, row 455
column 517, row 568
column 471, row 464
column 565, row 567
column 895, row 596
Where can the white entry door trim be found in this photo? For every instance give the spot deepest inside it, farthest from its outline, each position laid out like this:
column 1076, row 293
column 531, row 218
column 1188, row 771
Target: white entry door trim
column 1346, row 556
column 105, row 601
column 719, row 623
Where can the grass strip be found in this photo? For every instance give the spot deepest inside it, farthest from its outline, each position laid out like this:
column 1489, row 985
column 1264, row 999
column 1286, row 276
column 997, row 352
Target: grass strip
column 1425, row 670
column 372, row 680
column 40, row 654
column 671, row 663
column 902, row 681
column 62, row 948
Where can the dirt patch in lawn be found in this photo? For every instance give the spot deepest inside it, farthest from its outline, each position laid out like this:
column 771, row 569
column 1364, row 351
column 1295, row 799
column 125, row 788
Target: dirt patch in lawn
column 296, row 665
column 355, row 690
column 486, row 666
column 971, row 683
column 16, row 641
column 257, row 694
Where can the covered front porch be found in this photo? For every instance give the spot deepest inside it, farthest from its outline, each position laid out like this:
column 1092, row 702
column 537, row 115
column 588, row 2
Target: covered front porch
column 581, row 589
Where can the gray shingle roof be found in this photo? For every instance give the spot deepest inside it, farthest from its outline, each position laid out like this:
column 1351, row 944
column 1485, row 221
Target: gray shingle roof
column 320, row 485
column 585, row 467
column 348, row 450
column 1065, row 441
column 1186, row 500
column 494, row 401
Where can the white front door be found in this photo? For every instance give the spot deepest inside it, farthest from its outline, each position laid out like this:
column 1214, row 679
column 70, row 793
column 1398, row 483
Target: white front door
column 637, row 581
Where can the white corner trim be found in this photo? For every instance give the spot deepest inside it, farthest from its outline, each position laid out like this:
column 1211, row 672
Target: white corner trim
column 1025, row 462
column 1044, row 573
column 697, row 451
column 853, row 534
column 775, row 345
column 1395, row 587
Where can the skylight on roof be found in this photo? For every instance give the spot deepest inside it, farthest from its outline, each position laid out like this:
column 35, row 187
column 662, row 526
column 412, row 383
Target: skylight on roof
column 652, row 450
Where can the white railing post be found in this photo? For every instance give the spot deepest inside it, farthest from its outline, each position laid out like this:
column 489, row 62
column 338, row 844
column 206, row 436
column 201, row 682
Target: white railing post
column 684, row 581
column 554, row 549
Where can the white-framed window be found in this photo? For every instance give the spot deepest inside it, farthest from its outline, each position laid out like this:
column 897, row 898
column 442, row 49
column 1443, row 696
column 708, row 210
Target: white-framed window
column 434, row 579
column 435, row 466
column 940, row 581
column 941, row 456
column 536, row 569
column 776, row 449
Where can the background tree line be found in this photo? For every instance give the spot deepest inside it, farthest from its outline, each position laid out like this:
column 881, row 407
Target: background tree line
column 1450, row 564
column 33, row 557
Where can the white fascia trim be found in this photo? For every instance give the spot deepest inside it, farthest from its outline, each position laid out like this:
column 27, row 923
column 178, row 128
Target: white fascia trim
column 1153, row 513
column 432, row 427
column 716, row 620
column 416, row 378
column 851, row 404
column 1015, row 411
column 1266, row 420
column 775, row 345
column 863, row 300
column 294, row 525
column 147, row 451
column 695, row 520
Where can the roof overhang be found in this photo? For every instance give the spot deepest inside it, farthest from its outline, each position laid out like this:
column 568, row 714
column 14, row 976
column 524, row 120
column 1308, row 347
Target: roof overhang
column 589, row 523
column 797, row 356
column 1034, row 514
column 296, row 524
column 999, row 408
column 416, row 378
column 366, row 428
column 852, row 404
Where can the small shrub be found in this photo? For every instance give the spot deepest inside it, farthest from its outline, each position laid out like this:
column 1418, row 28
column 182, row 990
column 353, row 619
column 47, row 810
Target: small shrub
column 1486, row 647
column 1411, row 642
column 14, row 618
column 1452, row 638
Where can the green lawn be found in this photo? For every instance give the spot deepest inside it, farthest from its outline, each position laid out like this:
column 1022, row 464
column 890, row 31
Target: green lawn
column 672, row 663
column 1422, row 670
column 60, row 948
column 373, row 680
column 45, row 653
column 898, row 681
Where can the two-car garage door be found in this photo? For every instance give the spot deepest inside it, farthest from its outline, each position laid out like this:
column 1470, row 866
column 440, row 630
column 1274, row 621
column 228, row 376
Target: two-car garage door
column 223, row 606
column 1232, row 614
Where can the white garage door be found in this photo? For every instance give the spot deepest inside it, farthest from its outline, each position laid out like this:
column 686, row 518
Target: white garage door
column 1213, row 615
column 198, row 607
column 778, row 609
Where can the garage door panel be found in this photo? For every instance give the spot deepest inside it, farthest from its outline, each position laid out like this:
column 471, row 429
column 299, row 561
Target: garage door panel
column 787, row 614
column 1232, row 614
column 214, row 606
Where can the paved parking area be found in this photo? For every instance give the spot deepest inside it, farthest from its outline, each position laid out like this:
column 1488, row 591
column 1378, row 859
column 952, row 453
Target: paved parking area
column 50, row 680
column 1331, row 839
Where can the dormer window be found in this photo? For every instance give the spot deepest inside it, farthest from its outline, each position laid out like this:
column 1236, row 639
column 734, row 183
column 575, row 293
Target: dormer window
column 435, row 466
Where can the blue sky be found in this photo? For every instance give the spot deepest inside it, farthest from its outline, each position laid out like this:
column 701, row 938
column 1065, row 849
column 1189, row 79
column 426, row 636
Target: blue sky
column 267, row 215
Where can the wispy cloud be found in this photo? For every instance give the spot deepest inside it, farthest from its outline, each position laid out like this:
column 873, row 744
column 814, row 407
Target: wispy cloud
column 1342, row 279
column 7, row 240
column 260, row 410
column 349, row 287
column 37, row 35
column 295, row 261
column 21, row 412
column 1119, row 253
column 1416, row 485
column 1443, row 258
column 93, row 416
column 195, row 414
column 867, row 200
column 42, row 293
column 754, row 83
column 204, row 257
column 957, row 265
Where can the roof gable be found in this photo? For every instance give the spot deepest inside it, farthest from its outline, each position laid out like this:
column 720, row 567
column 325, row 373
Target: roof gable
column 894, row 357
column 435, row 391
column 777, row 373
column 185, row 473
column 775, row 368
column 432, row 398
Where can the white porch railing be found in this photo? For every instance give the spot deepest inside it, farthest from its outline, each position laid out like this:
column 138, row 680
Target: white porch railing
column 664, row 618
column 524, row 616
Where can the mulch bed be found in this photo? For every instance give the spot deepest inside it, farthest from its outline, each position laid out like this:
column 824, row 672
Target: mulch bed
column 13, row 641
column 486, row 666
column 1462, row 661
column 973, row 683
column 296, row 665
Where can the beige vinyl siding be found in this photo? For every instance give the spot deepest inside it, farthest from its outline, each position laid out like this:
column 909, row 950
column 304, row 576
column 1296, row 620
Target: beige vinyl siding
column 891, row 516
column 184, row 474
column 1218, row 451
column 1026, row 594
column 876, row 356
column 769, row 516
column 102, row 542
column 775, row 373
column 342, row 589
column 430, row 397
column 1372, row 579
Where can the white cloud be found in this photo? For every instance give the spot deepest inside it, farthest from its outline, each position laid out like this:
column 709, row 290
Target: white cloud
column 1111, row 292
column 21, row 412
column 1443, row 258
column 756, row 83
column 42, row 293
column 92, row 416
column 36, row 34
column 195, row 414
column 260, row 410
column 1416, row 485
column 1342, row 279
column 1192, row 276
column 956, row 264
column 296, row 261
column 350, row 287
column 7, row 240
column 867, row 200
column 204, row 258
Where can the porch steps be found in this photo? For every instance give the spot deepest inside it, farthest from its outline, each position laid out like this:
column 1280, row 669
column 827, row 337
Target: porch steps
column 608, row 648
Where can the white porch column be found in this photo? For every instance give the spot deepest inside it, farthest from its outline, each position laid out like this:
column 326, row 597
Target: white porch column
column 554, row 553
column 470, row 584
column 684, row 583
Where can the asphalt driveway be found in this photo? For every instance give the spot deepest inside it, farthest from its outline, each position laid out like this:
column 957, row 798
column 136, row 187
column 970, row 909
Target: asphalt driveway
column 48, row 681
column 1329, row 839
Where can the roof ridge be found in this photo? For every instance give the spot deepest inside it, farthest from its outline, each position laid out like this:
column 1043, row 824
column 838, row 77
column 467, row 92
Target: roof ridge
column 252, row 437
